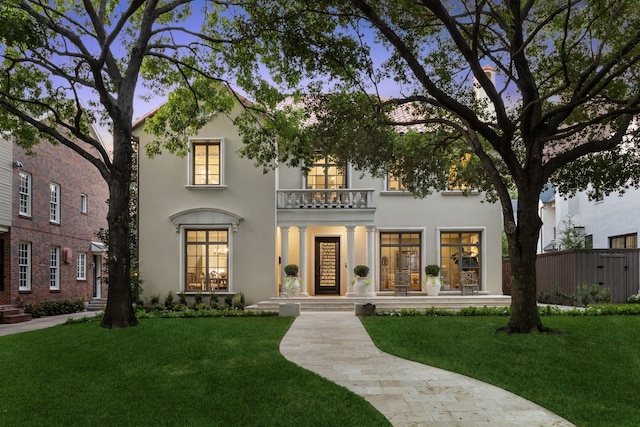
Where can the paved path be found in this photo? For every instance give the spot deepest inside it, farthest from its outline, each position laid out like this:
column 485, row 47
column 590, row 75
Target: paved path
column 43, row 322
column 336, row 346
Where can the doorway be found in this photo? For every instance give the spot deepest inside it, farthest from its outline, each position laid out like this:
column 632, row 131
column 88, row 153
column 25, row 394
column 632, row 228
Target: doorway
column 327, row 266
column 97, row 276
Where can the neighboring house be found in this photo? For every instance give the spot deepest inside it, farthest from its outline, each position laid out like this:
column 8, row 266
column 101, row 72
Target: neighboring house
column 52, row 204
column 212, row 222
column 607, row 222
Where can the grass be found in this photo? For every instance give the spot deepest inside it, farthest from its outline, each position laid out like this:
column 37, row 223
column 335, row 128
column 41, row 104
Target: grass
column 589, row 375
column 168, row 372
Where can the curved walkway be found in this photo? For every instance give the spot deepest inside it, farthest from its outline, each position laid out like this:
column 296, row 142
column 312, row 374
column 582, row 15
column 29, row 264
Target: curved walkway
column 336, row 346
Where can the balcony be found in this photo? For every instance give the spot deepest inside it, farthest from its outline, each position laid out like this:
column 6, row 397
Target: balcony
column 361, row 198
column 326, row 207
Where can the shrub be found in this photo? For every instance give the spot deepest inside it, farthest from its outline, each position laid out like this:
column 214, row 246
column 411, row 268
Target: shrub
column 634, row 299
column 53, row 308
column 361, row 270
column 238, row 301
column 228, row 299
column 182, row 298
column 168, row 301
column 291, row 270
column 213, row 302
column 198, row 297
column 155, row 300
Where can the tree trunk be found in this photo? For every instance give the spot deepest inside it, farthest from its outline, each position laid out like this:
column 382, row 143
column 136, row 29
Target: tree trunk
column 523, row 242
column 119, row 312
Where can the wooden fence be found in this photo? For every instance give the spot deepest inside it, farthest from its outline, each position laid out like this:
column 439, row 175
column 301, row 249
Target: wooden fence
column 562, row 276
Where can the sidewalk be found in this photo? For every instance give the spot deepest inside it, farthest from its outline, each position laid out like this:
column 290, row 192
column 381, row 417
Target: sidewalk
column 336, row 346
column 42, row 322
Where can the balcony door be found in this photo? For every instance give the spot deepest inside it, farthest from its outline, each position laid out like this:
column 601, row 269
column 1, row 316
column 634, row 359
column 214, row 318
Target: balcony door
column 327, row 266
column 326, row 174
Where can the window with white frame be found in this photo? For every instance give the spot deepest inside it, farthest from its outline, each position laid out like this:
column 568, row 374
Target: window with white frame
column 460, row 251
column 54, row 204
column 54, row 268
column 83, row 203
column 82, row 266
column 206, row 167
column 24, row 266
column 207, row 260
column 24, row 190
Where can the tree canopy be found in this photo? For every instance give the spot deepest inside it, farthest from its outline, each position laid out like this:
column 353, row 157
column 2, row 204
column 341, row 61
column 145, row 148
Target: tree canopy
column 561, row 109
column 65, row 65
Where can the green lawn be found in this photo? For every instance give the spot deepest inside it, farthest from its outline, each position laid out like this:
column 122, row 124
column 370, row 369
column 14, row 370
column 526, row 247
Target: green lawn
column 168, row 372
column 590, row 375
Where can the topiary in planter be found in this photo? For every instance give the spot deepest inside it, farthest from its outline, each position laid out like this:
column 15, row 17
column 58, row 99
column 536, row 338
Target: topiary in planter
column 432, row 270
column 361, row 270
column 291, row 270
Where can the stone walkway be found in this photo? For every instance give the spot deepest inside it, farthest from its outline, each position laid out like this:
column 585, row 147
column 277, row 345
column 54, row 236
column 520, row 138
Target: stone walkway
column 336, row 346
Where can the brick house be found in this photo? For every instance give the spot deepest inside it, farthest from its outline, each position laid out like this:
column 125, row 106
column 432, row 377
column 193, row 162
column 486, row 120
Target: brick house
column 52, row 204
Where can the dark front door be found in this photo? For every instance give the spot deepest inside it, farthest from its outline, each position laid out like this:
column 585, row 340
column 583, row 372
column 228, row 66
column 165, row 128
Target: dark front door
column 327, row 272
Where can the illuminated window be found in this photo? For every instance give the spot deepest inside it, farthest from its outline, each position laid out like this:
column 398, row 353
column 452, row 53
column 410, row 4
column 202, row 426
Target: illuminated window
column 400, row 253
column 207, row 260
column 394, row 183
column 456, row 182
column 326, row 174
column 207, row 163
column 459, row 251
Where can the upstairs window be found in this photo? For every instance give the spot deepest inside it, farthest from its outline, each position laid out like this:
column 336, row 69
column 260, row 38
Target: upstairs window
column 207, row 163
column 24, row 190
column 326, row 174
column 54, row 203
column 394, row 183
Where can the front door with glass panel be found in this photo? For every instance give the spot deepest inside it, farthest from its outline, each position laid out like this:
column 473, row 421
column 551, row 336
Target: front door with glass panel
column 327, row 266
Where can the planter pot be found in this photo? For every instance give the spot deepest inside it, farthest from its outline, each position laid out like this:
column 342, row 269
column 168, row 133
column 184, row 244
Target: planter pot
column 291, row 286
column 432, row 286
column 360, row 288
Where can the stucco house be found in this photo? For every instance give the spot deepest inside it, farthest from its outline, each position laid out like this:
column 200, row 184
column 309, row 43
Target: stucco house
column 212, row 222
column 52, row 204
column 607, row 222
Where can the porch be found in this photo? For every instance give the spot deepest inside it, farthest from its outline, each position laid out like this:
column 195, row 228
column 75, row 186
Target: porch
column 446, row 300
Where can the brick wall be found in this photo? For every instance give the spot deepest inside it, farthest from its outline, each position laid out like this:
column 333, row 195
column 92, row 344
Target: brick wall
column 76, row 230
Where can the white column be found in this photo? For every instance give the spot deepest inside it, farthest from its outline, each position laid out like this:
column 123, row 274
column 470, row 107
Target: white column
column 284, row 250
column 371, row 260
column 351, row 258
column 302, row 236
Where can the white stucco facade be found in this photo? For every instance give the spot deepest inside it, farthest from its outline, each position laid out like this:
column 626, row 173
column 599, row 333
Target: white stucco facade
column 283, row 218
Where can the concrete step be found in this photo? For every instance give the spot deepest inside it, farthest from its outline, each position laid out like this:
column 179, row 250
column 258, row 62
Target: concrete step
column 11, row 314
column 385, row 303
column 97, row 304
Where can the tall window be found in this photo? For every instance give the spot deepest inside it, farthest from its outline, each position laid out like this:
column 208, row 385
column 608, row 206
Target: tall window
column 326, row 174
column 25, row 193
column 456, row 180
column 459, row 251
column 54, row 268
column 82, row 266
column 624, row 241
column 400, row 255
column 83, row 203
column 207, row 257
column 54, row 204
column 24, row 266
column 207, row 163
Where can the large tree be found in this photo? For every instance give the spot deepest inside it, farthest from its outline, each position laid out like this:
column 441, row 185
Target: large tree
column 68, row 64
column 560, row 111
